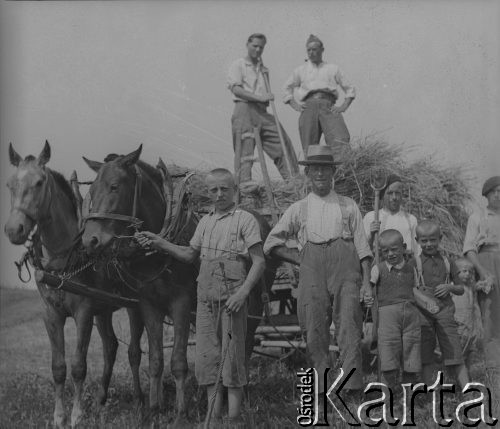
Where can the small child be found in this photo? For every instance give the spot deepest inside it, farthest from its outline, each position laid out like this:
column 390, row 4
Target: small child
column 398, row 317
column 434, row 270
column 467, row 313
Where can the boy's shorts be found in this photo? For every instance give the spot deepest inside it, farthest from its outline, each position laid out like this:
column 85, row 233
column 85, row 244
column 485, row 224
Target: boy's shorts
column 443, row 326
column 212, row 323
column 399, row 337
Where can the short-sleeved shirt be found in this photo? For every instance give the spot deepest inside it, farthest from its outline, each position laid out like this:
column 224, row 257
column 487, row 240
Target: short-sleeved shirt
column 483, row 228
column 401, row 221
column 247, row 75
column 323, row 223
column 212, row 237
column 312, row 77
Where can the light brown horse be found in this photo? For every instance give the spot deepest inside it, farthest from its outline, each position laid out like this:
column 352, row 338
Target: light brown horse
column 126, row 196
column 42, row 198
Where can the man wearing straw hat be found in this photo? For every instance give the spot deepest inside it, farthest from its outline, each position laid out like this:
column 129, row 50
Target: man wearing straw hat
column 329, row 231
column 316, row 85
column 246, row 82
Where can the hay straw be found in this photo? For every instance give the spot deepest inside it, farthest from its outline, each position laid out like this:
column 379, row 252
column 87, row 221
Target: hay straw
column 432, row 191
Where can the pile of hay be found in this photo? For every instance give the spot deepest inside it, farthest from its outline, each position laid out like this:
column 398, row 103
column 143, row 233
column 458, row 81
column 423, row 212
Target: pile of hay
column 432, row 190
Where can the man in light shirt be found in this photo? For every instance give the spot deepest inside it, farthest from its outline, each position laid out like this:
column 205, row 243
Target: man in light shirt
column 246, row 82
column 391, row 216
column 316, row 85
column 329, row 231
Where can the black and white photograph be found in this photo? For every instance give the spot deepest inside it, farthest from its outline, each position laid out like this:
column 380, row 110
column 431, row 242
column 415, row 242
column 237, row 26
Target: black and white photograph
column 249, row 214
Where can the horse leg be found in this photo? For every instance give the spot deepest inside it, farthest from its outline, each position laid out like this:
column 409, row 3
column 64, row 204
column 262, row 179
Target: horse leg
column 104, row 322
column 135, row 352
column 180, row 313
column 153, row 320
column 84, row 324
column 54, row 324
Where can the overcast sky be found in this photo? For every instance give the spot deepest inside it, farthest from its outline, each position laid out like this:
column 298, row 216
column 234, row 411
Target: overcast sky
column 101, row 77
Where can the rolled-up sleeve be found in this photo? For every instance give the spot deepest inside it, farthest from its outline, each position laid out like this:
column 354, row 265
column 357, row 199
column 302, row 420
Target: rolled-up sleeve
column 374, row 275
column 197, row 240
column 286, row 228
column 360, row 241
column 350, row 91
column 234, row 75
column 292, row 82
column 250, row 231
column 471, row 234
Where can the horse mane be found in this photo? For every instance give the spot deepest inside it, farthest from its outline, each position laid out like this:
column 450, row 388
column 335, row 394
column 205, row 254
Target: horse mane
column 65, row 187
column 148, row 168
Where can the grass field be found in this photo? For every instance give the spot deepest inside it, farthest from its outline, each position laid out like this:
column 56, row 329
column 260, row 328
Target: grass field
column 26, row 389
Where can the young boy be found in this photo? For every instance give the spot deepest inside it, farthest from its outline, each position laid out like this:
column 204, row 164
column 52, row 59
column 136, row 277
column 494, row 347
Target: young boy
column 398, row 317
column 434, row 281
column 467, row 314
column 227, row 240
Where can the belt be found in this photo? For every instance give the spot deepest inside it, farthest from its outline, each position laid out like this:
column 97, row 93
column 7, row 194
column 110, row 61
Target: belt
column 320, row 95
column 324, row 243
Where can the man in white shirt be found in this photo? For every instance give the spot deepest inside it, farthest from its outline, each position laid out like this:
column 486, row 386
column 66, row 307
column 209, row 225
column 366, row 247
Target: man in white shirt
column 246, row 82
column 334, row 264
column 391, row 216
column 316, row 85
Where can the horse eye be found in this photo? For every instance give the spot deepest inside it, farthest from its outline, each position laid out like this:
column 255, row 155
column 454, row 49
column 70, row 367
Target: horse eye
column 114, row 187
column 39, row 183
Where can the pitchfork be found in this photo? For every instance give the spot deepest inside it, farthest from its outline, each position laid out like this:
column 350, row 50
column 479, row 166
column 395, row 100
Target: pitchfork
column 378, row 182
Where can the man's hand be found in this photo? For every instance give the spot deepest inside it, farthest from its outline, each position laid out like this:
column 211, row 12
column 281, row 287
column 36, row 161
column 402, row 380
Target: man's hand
column 486, row 284
column 149, row 240
column 375, row 226
column 442, row 290
column 296, row 106
column 366, row 294
column 236, row 301
column 267, row 97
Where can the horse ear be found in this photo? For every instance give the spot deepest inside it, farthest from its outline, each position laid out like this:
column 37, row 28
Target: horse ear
column 94, row 165
column 132, row 157
column 44, row 156
column 161, row 164
column 15, row 158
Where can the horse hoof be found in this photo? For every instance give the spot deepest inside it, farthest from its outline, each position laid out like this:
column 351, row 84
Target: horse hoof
column 101, row 398
column 151, row 417
column 76, row 417
column 138, row 402
column 181, row 423
column 60, row 421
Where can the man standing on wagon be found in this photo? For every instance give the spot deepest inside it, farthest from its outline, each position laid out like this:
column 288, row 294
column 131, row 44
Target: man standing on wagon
column 334, row 264
column 246, row 82
column 317, row 86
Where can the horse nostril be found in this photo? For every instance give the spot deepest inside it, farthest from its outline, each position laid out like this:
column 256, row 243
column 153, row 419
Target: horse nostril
column 94, row 242
column 20, row 230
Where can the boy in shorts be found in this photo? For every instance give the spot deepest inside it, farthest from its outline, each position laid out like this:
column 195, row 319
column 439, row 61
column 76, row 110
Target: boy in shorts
column 434, row 271
column 398, row 317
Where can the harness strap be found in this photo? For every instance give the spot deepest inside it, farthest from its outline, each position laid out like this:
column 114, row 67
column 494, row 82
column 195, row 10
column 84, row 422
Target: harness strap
column 114, row 216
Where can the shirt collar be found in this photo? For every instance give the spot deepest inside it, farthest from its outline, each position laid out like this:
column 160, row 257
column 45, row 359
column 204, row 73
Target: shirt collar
column 426, row 258
column 330, row 196
column 398, row 266
column 321, row 64
column 229, row 211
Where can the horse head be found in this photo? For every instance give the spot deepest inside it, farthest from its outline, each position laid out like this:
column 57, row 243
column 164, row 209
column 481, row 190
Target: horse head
column 124, row 197
column 29, row 194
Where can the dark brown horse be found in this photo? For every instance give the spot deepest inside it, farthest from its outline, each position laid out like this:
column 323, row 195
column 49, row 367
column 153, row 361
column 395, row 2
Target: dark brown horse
column 127, row 196
column 41, row 198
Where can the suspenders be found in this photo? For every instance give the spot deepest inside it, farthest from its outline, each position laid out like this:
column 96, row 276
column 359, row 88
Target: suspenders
column 231, row 240
column 418, row 261
column 346, row 224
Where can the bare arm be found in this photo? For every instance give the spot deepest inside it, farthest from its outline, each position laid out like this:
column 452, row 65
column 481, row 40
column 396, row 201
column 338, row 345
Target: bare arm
column 286, row 254
column 366, row 292
column 237, row 300
column 150, row 240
